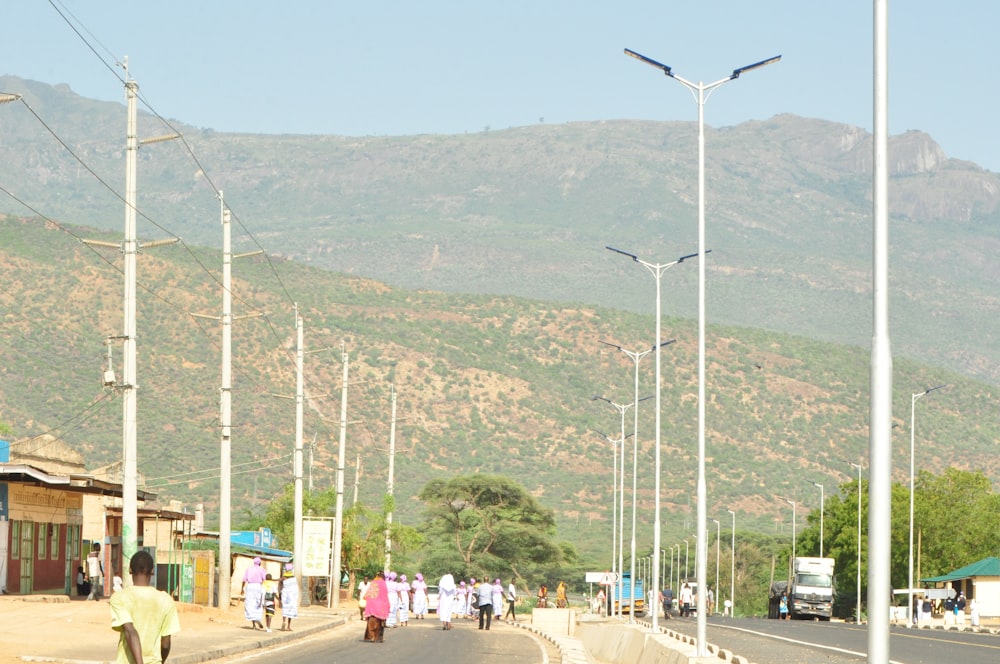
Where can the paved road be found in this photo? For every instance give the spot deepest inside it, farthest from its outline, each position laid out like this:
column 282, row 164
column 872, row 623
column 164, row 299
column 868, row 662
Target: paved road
column 778, row 642
column 422, row 642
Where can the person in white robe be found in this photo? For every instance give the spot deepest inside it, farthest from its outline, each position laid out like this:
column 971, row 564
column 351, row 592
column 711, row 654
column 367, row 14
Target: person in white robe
column 391, row 588
column 446, row 599
column 403, row 591
column 419, row 587
column 497, row 600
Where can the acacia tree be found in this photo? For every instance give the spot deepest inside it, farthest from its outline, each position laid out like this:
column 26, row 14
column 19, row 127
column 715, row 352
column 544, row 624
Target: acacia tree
column 489, row 524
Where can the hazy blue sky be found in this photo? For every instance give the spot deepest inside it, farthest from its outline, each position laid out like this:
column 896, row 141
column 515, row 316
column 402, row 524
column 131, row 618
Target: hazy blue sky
column 434, row 66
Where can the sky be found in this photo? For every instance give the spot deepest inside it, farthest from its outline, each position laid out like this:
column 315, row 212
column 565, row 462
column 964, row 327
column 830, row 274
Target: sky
column 394, row 67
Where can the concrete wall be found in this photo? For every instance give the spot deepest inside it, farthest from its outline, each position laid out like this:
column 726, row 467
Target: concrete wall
column 561, row 622
column 611, row 643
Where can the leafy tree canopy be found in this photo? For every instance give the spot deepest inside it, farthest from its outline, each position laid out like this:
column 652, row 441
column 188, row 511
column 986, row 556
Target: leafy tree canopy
column 490, row 525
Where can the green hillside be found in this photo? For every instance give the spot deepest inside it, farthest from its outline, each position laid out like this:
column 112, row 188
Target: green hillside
column 527, row 211
column 492, row 384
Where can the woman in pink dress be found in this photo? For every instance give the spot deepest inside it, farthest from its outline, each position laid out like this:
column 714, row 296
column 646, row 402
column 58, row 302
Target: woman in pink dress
column 376, row 609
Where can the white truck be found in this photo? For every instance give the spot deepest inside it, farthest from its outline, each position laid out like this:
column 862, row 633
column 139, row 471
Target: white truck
column 811, row 591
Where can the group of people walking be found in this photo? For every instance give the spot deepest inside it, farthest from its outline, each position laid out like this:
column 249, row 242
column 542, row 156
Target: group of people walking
column 389, row 600
column 263, row 595
column 474, row 598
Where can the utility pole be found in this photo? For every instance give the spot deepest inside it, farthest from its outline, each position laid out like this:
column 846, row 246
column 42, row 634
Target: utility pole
column 338, row 532
column 357, row 477
column 388, row 489
column 297, row 463
column 225, row 406
column 130, row 248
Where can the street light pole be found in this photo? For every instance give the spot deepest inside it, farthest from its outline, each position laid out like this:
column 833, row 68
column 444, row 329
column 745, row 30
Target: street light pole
column 635, row 356
column 732, row 570
column 794, row 534
column 657, row 270
column 718, row 535
column 687, row 551
column 821, row 505
column 615, row 555
column 913, row 404
column 701, row 92
column 857, row 616
column 621, row 408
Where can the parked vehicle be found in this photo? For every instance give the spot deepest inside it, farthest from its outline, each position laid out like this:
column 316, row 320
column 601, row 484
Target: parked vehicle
column 432, row 598
column 623, row 595
column 810, row 594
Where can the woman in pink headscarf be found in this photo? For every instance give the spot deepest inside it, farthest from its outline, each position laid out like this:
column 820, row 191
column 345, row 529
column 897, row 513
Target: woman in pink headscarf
column 253, row 594
column 419, row 587
column 376, row 609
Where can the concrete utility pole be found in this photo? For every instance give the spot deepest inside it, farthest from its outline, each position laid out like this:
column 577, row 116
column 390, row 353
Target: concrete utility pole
column 130, row 248
column 388, row 489
column 225, row 406
column 130, row 469
column 226, row 414
column 357, row 477
column 338, row 533
column 297, row 464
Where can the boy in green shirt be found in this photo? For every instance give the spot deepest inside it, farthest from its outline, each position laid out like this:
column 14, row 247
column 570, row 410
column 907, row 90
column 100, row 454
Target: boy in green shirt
column 145, row 616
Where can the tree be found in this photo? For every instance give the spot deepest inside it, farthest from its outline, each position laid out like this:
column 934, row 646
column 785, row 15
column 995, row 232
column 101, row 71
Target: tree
column 490, row 524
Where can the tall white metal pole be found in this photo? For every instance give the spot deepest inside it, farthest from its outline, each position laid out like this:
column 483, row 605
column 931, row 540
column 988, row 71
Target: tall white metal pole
column 913, row 422
column 857, row 614
column 732, row 570
column 718, row 534
column 880, row 417
column 615, row 585
column 130, row 247
column 621, row 523
column 297, row 462
column 821, row 506
column 701, row 545
column 389, row 485
column 338, row 537
column 226, row 414
column 701, row 550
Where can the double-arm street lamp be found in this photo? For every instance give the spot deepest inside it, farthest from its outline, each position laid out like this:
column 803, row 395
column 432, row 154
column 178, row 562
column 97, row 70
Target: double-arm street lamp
column 635, row 356
column 821, row 503
column 657, row 270
column 913, row 406
column 701, row 92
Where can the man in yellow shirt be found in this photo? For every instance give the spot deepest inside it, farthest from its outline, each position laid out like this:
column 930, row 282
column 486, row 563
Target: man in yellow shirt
column 145, row 616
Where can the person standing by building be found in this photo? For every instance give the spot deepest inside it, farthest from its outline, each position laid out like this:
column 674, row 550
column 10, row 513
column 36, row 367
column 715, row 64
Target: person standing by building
column 144, row 616
column 511, row 599
column 288, row 596
column 253, row 594
column 95, row 573
column 485, row 594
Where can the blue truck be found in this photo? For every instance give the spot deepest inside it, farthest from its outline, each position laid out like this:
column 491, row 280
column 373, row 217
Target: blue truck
column 623, row 595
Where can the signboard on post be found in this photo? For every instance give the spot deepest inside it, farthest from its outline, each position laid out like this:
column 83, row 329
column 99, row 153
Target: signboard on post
column 316, row 539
